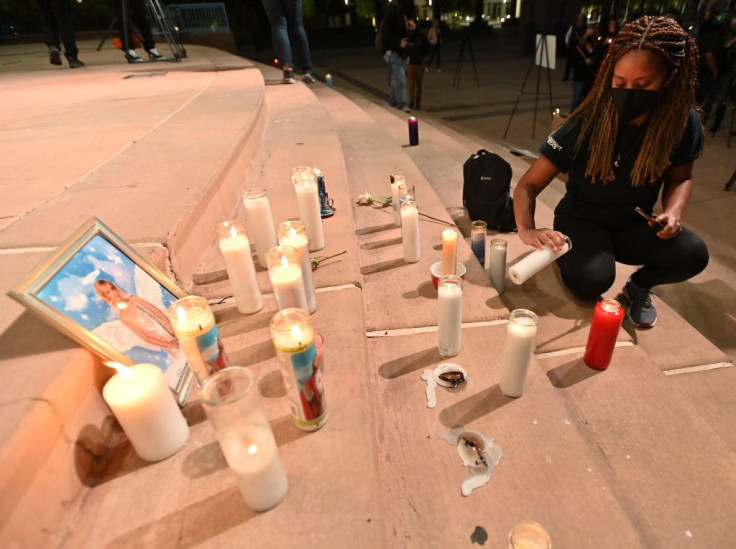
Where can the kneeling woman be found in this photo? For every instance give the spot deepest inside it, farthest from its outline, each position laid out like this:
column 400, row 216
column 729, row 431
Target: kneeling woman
column 635, row 134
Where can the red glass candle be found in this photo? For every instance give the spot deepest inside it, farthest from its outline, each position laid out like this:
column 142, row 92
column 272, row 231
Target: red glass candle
column 607, row 318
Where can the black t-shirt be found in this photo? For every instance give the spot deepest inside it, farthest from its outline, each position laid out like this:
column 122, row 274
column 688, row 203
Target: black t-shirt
column 612, row 204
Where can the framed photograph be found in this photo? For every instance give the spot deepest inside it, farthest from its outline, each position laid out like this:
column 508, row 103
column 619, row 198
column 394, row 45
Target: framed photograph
column 97, row 290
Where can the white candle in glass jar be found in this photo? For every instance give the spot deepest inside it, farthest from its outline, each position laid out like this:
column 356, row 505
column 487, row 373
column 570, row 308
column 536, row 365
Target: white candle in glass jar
column 293, row 235
column 449, row 252
column 497, row 260
column 235, row 249
column 410, row 231
column 450, row 305
column 252, row 455
column 519, row 347
column 308, row 205
column 397, row 179
column 147, row 411
column 535, row 262
column 260, row 222
column 286, row 278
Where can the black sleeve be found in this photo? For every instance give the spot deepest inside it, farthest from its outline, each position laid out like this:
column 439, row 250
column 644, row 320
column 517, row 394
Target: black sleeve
column 691, row 144
column 560, row 145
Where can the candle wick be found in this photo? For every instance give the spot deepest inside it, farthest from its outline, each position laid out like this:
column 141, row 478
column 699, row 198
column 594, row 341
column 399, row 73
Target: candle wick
column 200, row 327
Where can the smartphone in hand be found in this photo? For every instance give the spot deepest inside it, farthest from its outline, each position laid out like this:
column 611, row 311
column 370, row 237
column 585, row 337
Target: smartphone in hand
column 651, row 219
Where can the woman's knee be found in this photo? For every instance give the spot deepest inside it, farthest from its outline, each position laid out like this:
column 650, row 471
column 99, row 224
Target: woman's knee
column 589, row 281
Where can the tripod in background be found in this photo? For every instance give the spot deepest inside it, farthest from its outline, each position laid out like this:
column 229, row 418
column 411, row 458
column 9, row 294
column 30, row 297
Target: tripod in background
column 541, row 58
column 161, row 20
column 461, row 57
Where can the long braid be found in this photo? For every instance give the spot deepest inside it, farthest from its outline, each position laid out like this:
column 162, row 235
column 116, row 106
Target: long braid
column 597, row 113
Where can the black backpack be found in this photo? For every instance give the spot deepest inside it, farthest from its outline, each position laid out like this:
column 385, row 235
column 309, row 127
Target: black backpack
column 487, row 191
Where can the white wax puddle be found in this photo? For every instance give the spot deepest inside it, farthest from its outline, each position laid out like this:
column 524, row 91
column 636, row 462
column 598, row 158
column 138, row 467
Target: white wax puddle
column 478, row 453
column 688, row 533
column 448, row 375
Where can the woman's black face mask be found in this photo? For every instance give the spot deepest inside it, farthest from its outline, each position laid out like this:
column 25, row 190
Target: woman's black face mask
column 632, row 103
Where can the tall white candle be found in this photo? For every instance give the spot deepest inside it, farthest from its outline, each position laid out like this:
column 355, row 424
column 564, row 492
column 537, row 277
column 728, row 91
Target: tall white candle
column 260, row 222
column 147, row 411
column 199, row 338
column 235, row 249
column 450, row 304
column 294, row 235
column 449, row 252
column 410, row 231
column 497, row 269
column 285, row 274
column 232, row 404
column 519, row 347
column 397, row 179
column 535, row 262
column 307, row 203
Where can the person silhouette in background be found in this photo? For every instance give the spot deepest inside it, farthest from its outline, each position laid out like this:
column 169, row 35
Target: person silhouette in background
column 285, row 17
column 56, row 19
column 434, row 37
column 398, row 22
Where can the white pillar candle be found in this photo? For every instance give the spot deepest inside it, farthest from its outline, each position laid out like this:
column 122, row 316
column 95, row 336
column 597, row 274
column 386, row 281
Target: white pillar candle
column 199, row 338
column 235, row 249
column 308, row 205
column 497, row 260
column 294, row 235
column 535, row 262
column 147, row 411
column 410, row 231
column 285, row 274
column 397, row 179
column 450, row 304
column 232, row 404
column 519, row 347
column 449, row 252
column 260, row 222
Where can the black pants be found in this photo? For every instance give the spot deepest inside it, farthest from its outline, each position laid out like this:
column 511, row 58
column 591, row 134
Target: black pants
column 589, row 268
column 56, row 19
column 135, row 13
column 434, row 51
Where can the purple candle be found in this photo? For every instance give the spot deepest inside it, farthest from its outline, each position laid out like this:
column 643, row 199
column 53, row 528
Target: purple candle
column 413, row 131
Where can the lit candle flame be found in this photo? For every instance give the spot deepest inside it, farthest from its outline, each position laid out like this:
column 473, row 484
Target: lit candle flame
column 233, row 231
column 123, row 370
column 284, row 261
column 181, row 313
column 292, row 231
column 252, row 449
column 296, row 333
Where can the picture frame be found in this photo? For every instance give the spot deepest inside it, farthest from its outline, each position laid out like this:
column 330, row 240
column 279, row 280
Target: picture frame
column 101, row 293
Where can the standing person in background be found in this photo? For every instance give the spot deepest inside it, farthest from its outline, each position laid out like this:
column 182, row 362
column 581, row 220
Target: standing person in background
column 56, row 19
column 573, row 38
column 285, row 17
column 434, row 37
column 727, row 82
column 136, row 12
column 397, row 22
column 417, row 48
column 583, row 68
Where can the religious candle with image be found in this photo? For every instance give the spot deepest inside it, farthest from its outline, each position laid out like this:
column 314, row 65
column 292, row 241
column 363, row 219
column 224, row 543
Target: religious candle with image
column 194, row 324
column 300, row 356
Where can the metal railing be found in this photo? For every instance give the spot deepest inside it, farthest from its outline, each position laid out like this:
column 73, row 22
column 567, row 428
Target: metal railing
column 204, row 17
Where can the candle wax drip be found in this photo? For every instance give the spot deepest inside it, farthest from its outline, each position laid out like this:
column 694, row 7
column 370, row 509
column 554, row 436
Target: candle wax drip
column 448, row 375
column 477, row 452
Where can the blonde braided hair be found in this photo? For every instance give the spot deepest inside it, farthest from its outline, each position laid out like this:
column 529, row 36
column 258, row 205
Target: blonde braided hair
column 597, row 113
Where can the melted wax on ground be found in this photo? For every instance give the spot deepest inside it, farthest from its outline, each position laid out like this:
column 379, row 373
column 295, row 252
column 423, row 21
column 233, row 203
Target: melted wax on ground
column 479, row 535
column 478, row 453
column 452, row 377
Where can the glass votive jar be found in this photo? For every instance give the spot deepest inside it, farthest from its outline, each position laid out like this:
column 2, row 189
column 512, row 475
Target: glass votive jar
column 300, row 356
column 241, row 271
column 260, row 221
column 478, row 231
column 529, row 535
column 308, row 204
column 518, row 350
column 285, row 274
column 293, row 234
column 232, row 404
column 406, row 192
column 199, row 338
column 497, row 260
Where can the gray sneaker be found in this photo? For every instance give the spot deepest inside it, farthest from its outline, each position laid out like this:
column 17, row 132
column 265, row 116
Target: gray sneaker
column 308, row 77
column 641, row 310
column 289, row 77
